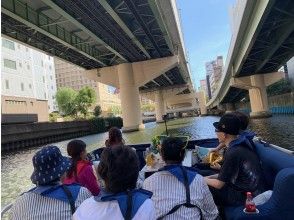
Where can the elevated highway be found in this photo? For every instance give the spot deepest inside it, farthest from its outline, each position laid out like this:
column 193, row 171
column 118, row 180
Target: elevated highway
column 262, row 42
column 134, row 45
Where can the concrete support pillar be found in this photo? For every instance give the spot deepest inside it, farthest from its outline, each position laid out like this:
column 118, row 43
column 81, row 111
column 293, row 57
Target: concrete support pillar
column 202, row 102
column 129, row 94
column 159, row 106
column 258, row 97
column 230, row 107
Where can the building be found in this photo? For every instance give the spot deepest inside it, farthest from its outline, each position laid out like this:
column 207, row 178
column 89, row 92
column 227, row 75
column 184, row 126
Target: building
column 28, row 83
column 290, row 68
column 69, row 75
column 203, row 86
column 214, row 71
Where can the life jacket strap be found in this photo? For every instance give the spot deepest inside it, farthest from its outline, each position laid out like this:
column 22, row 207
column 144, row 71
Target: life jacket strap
column 128, row 215
column 70, row 199
column 187, row 204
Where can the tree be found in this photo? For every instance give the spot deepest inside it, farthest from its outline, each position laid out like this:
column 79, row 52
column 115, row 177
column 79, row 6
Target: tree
column 97, row 111
column 66, row 101
column 85, row 98
column 114, row 110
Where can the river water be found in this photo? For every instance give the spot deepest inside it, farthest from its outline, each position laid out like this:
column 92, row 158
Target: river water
column 17, row 166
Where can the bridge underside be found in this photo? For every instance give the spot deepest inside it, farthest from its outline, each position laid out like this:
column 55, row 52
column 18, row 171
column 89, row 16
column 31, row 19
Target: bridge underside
column 234, row 95
column 93, row 34
column 274, row 44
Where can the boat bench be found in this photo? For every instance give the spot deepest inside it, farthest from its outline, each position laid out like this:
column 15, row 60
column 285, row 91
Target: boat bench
column 278, row 171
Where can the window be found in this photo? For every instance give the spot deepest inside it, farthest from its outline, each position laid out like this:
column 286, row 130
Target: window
column 45, row 96
column 20, row 64
column 50, row 67
column 22, row 86
column 42, row 63
column 28, row 66
column 10, row 64
column 43, row 79
column 30, row 86
column 6, row 84
column 52, row 87
column 51, row 77
column 8, row 44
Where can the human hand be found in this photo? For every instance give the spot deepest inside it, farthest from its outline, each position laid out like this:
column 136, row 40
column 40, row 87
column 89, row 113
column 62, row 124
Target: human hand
column 215, row 166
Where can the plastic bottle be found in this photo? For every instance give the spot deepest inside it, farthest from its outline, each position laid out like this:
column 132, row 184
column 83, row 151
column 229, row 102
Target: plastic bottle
column 249, row 205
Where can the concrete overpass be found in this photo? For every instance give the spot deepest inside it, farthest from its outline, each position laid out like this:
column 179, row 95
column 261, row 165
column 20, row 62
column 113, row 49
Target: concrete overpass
column 262, row 42
column 134, row 45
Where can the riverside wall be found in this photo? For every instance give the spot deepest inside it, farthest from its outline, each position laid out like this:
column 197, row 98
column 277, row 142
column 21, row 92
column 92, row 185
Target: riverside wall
column 17, row 136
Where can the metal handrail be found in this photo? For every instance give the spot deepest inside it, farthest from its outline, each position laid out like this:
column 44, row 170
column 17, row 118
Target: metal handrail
column 5, row 209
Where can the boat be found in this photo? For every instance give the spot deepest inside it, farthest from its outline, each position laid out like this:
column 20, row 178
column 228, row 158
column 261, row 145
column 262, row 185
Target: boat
column 277, row 166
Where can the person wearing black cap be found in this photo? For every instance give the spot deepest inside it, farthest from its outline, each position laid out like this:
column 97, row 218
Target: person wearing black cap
column 49, row 200
column 241, row 171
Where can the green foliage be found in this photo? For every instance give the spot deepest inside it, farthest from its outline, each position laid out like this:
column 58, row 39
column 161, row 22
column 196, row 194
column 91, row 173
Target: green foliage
column 148, row 107
column 97, row 111
column 66, row 101
column 113, row 122
column 114, row 110
column 70, row 102
column 155, row 143
column 85, row 99
column 99, row 125
column 281, row 87
column 53, row 116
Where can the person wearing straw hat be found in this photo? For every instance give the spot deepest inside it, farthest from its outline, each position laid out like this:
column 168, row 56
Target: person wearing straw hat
column 49, row 200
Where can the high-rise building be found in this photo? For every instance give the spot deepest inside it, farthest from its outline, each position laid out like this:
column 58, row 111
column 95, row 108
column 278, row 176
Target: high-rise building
column 290, row 67
column 69, row 75
column 203, row 86
column 28, row 83
column 214, row 70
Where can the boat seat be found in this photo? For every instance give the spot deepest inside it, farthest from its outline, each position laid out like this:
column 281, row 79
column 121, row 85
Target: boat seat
column 278, row 169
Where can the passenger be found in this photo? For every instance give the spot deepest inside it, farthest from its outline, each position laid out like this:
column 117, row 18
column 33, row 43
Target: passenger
column 241, row 171
column 49, row 199
column 81, row 170
column 114, row 138
column 119, row 168
column 178, row 191
column 244, row 122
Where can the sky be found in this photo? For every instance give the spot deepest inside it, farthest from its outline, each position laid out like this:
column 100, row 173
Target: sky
column 206, row 30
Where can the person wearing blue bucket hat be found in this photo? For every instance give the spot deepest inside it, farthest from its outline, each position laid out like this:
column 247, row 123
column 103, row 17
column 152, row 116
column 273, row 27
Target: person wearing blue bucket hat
column 50, row 199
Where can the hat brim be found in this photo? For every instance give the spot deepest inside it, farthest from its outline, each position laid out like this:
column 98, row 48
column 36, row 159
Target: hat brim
column 216, row 125
column 46, row 176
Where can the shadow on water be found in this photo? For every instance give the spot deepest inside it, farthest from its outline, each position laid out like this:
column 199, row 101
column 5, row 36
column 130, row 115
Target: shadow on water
column 17, row 167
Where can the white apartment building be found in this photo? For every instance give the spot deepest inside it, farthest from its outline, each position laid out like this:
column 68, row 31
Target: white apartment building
column 28, row 77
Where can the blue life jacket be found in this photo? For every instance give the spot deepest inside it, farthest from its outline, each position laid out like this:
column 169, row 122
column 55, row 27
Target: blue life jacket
column 248, row 134
column 57, row 192
column 138, row 197
column 177, row 172
column 244, row 141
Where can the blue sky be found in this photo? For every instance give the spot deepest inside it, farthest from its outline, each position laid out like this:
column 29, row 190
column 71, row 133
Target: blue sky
column 207, row 33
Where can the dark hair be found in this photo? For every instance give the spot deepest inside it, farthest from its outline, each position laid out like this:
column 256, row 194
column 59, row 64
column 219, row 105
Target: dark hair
column 119, row 168
column 114, row 137
column 172, row 149
column 244, row 120
column 74, row 150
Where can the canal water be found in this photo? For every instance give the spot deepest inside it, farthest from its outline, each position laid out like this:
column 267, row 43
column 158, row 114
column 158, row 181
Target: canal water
column 17, row 166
